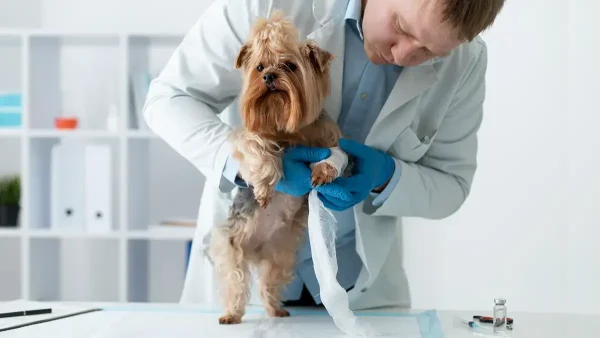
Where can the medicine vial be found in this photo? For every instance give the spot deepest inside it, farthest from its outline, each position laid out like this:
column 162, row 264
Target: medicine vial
column 500, row 315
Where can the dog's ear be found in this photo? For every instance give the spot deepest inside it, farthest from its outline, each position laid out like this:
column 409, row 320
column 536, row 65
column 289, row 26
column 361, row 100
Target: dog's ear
column 319, row 57
column 242, row 56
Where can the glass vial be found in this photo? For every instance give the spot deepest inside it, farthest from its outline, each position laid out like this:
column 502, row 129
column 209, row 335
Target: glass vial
column 500, row 314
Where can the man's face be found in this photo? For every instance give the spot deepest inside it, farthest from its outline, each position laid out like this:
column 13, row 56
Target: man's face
column 405, row 32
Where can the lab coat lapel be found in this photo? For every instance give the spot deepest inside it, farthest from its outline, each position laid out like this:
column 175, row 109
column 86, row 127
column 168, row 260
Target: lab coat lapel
column 412, row 82
column 330, row 37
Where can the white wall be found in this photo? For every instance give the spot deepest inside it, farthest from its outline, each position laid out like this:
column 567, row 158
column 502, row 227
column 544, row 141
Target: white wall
column 583, row 144
column 535, row 247
column 173, row 16
column 20, row 14
column 529, row 228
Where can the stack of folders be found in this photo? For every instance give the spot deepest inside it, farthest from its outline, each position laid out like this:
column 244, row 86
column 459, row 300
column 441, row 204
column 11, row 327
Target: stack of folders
column 10, row 110
column 81, row 186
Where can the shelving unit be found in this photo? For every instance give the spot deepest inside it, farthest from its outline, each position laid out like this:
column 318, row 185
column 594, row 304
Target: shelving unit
column 88, row 76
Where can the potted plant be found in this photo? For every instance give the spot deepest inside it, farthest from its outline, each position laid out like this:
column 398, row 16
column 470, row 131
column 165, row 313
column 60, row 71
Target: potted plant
column 10, row 200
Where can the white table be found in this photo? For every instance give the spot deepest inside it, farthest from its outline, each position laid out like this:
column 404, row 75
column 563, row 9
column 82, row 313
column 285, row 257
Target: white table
column 175, row 321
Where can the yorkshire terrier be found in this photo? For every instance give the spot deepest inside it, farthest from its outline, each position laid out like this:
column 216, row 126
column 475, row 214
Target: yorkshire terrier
column 285, row 83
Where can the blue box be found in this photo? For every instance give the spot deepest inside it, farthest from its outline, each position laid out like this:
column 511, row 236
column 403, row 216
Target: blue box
column 10, row 119
column 11, row 100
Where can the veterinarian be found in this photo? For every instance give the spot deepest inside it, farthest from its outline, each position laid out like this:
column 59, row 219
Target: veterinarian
column 407, row 87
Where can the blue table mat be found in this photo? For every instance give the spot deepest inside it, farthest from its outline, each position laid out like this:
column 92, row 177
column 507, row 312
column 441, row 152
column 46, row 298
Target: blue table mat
column 428, row 321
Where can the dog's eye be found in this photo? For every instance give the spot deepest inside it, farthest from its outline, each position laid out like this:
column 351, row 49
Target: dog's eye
column 290, row 66
column 260, row 68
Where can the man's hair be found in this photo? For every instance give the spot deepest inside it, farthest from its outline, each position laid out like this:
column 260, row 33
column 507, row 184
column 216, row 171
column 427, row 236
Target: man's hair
column 470, row 17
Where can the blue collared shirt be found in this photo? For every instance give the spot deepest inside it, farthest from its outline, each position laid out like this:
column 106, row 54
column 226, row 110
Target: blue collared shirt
column 365, row 88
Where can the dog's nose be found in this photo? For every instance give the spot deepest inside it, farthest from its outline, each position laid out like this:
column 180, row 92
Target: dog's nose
column 269, row 77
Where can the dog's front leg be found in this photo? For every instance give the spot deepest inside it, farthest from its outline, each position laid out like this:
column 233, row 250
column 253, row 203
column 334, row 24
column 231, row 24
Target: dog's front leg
column 329, row 169
column 261, row 167
column 267, row 178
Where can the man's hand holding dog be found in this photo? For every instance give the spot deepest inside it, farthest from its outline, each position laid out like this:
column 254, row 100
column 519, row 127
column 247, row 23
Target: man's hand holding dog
column 373, row 170
column 296, row 162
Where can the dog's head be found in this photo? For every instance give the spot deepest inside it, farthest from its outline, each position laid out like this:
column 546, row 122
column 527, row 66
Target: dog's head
column 285, row 80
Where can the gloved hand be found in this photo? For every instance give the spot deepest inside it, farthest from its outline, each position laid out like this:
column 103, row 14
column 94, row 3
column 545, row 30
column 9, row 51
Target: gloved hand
column 372, row 170
column 296, row 170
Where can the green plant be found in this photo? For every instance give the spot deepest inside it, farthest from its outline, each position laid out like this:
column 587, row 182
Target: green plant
column 10, row 190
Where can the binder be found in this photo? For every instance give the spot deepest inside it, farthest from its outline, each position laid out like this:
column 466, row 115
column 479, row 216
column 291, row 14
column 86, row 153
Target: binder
column 98, row 188
column 67, row 185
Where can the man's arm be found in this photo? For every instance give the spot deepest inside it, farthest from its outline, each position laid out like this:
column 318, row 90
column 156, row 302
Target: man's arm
column 437, row 185
column 197, row 83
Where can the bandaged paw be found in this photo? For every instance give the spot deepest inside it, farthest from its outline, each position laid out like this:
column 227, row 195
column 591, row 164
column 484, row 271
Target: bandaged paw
column 329, row 169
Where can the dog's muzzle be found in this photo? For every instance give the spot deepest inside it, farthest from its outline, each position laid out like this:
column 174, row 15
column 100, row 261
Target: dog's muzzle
column 269, row 80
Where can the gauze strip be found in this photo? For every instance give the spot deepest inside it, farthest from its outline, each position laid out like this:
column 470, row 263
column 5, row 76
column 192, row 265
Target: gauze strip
column 322, row 229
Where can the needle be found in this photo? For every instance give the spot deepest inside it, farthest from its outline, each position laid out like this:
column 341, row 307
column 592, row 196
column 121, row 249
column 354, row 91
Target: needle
column 470, row 323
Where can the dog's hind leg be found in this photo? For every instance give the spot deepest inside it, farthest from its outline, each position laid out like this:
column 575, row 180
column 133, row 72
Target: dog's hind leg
column 278, row 264
column 274, row 275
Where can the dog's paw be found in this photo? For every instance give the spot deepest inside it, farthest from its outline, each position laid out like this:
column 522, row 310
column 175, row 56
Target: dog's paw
column 323, row 173
column 264, row 196
column 230, row 319
column 263, row 201
column 281, row 312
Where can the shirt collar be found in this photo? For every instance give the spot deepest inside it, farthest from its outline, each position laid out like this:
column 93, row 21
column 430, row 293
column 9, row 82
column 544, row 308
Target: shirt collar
column 353, row 15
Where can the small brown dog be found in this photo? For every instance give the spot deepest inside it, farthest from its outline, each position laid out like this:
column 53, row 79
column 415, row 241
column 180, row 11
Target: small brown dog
column 285, row 82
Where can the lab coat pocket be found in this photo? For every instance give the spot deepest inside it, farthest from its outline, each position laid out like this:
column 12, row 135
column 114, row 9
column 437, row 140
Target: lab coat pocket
column 410, row 147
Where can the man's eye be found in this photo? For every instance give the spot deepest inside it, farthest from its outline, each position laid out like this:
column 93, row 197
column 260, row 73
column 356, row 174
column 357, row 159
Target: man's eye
column 260, row 68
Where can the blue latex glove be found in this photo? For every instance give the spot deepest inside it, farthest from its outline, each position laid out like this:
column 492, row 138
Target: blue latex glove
column 296, row 170
column 372, row 169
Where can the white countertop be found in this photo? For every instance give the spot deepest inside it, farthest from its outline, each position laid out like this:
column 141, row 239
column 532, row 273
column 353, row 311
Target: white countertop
column 173, row 321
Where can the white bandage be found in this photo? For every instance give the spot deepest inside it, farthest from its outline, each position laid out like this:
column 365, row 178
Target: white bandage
column 338, row 159
column 322, row 233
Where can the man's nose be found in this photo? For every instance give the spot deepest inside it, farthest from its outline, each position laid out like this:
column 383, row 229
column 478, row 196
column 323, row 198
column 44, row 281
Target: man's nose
column 269, row 78
column 404, row 53
column 405, row 50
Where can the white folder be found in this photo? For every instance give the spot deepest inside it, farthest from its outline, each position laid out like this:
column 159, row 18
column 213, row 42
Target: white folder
column 98, row 188
column 67, row 185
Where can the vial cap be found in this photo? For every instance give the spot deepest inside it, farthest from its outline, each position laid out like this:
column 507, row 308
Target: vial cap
column 500, row 301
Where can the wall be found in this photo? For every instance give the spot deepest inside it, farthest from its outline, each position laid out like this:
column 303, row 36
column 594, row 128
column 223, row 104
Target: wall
column 529, row 228
column 20, row 14
column 583, row 225
column 172, row 16
column 493, row 246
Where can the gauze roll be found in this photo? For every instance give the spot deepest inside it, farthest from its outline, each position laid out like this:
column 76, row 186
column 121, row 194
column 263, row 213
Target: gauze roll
column 322, row 232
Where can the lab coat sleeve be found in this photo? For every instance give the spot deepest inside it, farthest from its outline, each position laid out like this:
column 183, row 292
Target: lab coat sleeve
column 437, row 185
column 198, row 82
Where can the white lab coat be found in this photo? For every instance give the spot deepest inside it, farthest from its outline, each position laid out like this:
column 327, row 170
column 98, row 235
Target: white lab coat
column 428, row 124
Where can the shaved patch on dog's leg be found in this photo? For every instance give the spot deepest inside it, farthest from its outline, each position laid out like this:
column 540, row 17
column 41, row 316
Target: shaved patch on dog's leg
column 244, row 204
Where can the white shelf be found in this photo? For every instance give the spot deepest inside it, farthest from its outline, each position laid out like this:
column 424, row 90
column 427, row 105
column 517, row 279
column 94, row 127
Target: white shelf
column 84, row 75
column 59, row 234
column 10, row 233
column 163, row 234
column 7, row 132
column 150, row 234
column 86, row 134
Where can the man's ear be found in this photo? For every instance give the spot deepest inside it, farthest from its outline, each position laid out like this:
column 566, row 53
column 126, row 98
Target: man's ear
column 319, row 57
column 241, row 57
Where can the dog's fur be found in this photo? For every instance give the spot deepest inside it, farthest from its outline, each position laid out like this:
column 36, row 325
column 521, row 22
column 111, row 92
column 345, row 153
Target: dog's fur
column 266, row 228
